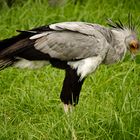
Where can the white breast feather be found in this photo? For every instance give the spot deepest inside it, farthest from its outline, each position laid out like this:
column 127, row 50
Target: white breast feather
column 85, row 66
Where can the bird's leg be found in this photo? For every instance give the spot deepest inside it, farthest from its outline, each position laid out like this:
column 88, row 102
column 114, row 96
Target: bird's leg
column 71, row 89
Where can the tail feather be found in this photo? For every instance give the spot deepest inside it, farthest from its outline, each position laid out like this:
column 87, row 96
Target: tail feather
column 10, row 41
column 21, row 46
column 14, row 49
column 6, row 63
column 12, row 46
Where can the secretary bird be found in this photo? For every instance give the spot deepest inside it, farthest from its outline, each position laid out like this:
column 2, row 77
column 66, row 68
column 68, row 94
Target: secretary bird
column 77, row 47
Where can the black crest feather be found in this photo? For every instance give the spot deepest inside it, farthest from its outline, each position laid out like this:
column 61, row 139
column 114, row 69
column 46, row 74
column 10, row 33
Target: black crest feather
column 119, row 25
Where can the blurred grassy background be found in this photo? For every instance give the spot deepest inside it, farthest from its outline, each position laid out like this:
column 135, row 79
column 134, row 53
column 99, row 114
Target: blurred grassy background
column 30, row 108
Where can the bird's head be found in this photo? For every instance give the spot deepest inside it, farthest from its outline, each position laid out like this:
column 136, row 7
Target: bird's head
column 128, row 35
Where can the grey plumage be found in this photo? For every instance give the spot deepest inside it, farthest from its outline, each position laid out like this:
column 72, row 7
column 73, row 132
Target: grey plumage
column 68, row 45
column 77, row 47
column 79, row 40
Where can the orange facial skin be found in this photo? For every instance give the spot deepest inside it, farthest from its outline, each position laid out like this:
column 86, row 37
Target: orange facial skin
column 134, row 46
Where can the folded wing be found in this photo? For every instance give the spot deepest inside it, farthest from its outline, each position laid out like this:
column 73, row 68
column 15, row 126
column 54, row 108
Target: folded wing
column 70, row 41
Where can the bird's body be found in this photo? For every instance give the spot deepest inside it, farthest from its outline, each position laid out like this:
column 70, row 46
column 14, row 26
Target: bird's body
column 77, row 47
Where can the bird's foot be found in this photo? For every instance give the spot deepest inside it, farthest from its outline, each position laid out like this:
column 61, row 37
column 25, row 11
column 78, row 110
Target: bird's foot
column 68, row 108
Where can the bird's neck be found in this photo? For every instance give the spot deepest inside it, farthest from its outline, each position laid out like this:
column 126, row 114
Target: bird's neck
column 120, row 36
column 119, row 48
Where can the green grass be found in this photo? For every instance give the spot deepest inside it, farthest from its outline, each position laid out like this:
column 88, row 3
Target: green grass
column 30, row 108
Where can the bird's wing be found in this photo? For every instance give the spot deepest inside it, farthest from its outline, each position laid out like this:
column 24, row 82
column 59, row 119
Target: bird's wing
column 81, row 27
column 70, row 41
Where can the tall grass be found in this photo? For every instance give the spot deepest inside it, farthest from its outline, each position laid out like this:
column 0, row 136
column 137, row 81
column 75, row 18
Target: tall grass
column 30, row 108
